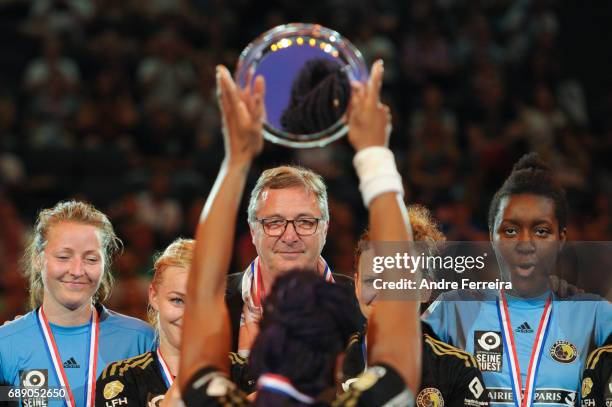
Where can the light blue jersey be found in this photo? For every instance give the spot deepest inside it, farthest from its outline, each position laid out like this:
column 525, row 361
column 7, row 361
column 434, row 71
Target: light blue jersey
column 24, row 358
column 471, row 320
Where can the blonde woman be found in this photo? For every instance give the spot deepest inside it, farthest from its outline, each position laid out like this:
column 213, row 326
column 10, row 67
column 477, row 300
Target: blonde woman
column 61, row 346
column 145, row 379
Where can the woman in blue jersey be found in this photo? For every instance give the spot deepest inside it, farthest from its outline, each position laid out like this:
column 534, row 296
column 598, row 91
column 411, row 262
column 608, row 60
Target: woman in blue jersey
column 531, row 345
column 59, row 348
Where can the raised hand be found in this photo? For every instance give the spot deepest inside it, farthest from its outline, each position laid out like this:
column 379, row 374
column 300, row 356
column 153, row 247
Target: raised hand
column 369, row 120
column 243, row 113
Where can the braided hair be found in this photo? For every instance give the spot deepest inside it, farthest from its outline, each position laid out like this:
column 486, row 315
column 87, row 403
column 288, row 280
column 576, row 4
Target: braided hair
column 530, row 175
column 306, row 325
column 319, row 97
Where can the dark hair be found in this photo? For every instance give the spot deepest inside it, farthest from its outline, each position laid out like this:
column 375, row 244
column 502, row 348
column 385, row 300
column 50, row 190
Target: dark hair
column 319, row 97
column 306, row 324
column 531, row 176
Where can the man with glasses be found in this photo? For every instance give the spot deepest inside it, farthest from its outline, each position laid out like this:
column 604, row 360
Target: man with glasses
column 288, row 218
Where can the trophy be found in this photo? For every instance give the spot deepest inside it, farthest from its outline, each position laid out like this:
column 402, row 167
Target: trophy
column 308, row 71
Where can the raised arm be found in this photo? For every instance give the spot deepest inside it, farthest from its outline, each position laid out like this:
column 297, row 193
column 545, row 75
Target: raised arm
column 206, row 327
column 394, row 334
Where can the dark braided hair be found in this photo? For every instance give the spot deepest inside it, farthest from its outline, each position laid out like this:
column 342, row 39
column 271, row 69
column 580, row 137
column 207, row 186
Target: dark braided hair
column 319, row 97
column 531, row 176
column 306, row 324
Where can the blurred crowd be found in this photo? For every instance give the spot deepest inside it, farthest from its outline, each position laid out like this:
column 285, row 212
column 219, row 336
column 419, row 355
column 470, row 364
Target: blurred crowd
column 113, row 101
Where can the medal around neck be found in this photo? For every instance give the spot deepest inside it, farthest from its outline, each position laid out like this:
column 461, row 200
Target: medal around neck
column 308, row 71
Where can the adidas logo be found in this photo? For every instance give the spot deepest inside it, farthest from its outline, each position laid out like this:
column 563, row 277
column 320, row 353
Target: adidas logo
column 524, row 328
column 71, row 364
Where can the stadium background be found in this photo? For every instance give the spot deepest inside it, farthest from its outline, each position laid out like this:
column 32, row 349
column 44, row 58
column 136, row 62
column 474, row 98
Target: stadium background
column 112, row 101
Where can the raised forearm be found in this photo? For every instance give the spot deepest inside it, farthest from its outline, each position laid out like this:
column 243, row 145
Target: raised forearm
column 394, row 329
column 215, row 232
column 206, row 316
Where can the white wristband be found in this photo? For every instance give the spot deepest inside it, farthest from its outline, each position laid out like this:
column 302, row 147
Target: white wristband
column 377, row 173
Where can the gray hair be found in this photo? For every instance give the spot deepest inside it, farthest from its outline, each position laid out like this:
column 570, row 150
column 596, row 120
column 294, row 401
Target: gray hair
column 288, row 176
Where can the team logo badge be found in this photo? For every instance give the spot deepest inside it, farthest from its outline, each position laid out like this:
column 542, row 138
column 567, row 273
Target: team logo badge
column 587, row 385
column 430, row 397
column 564, row 352
column 489, row 350
column 112, row 389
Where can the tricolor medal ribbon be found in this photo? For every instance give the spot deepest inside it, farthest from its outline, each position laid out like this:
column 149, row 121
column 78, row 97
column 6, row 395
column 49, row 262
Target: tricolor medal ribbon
column 280, row 384
column 167, row 376
column 523, row 398
column 92, row 362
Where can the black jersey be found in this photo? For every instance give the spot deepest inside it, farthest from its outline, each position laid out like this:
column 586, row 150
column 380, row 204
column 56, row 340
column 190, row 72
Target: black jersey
column 379, row 386
column 138, row 381
column 449, row 376
column 596, row 386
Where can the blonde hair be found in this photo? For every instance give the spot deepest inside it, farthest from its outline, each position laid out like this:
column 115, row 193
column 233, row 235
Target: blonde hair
column 425, row 228
column 69, row 211
column 289, row 176
column 178, row 254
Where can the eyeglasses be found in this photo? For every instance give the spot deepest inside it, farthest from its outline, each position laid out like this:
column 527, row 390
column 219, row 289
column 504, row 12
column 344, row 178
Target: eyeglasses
column 277, row 226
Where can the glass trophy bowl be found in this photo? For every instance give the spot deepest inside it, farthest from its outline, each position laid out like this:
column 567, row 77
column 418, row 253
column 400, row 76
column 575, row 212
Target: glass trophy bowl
column 308, row 70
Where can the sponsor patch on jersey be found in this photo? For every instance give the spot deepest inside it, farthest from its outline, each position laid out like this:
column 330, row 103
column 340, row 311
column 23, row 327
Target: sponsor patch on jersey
column 541, row 396
column 489, row 350
column 563, row 352
column 34, row 378
column 587, row 385
column 112, row 389
column 430, row 397
column 476, row 387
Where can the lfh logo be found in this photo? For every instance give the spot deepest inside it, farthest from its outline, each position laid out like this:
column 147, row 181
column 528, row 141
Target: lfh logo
column 117, row 402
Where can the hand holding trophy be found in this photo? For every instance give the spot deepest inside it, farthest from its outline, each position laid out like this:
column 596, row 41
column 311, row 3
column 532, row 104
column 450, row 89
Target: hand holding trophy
column 369, row 120
column 243, row 113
